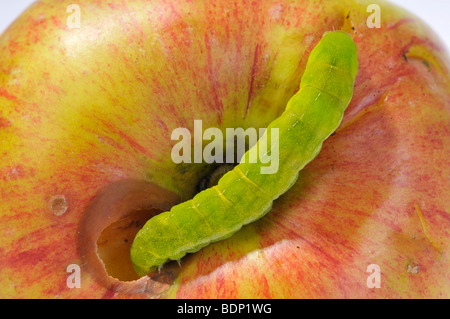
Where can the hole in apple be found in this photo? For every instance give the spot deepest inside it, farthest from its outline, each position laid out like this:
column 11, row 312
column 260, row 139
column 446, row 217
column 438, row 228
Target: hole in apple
column 114, row 243
column 107, row 230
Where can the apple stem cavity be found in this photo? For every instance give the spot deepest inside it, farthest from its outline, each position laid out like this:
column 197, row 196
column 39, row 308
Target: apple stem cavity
column 213, row 178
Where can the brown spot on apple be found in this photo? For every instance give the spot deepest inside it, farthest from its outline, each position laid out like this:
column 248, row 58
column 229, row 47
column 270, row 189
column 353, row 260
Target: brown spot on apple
column 413, row 269
column 58, row 205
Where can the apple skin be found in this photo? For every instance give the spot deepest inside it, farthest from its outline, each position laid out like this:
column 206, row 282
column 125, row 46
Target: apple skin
column 83, row 108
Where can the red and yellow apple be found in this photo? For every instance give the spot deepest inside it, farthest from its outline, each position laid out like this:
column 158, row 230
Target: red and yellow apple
column 86, row 116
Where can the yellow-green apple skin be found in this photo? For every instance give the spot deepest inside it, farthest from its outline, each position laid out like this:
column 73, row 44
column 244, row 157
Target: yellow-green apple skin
column 81, row 108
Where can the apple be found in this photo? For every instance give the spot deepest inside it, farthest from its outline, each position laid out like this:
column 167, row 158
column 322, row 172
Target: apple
column 86, row 115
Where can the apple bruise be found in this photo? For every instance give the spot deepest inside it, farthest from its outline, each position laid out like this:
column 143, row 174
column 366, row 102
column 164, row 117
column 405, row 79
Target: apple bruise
column 107, row 230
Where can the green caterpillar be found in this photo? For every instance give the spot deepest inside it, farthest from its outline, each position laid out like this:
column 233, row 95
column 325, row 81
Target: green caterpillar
column 216, row 213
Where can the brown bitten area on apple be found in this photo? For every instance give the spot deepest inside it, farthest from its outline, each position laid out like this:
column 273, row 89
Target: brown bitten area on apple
column 114, row 244
column 108, row 228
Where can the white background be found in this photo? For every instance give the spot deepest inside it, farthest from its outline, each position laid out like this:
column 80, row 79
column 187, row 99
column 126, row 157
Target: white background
column 434, row 12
